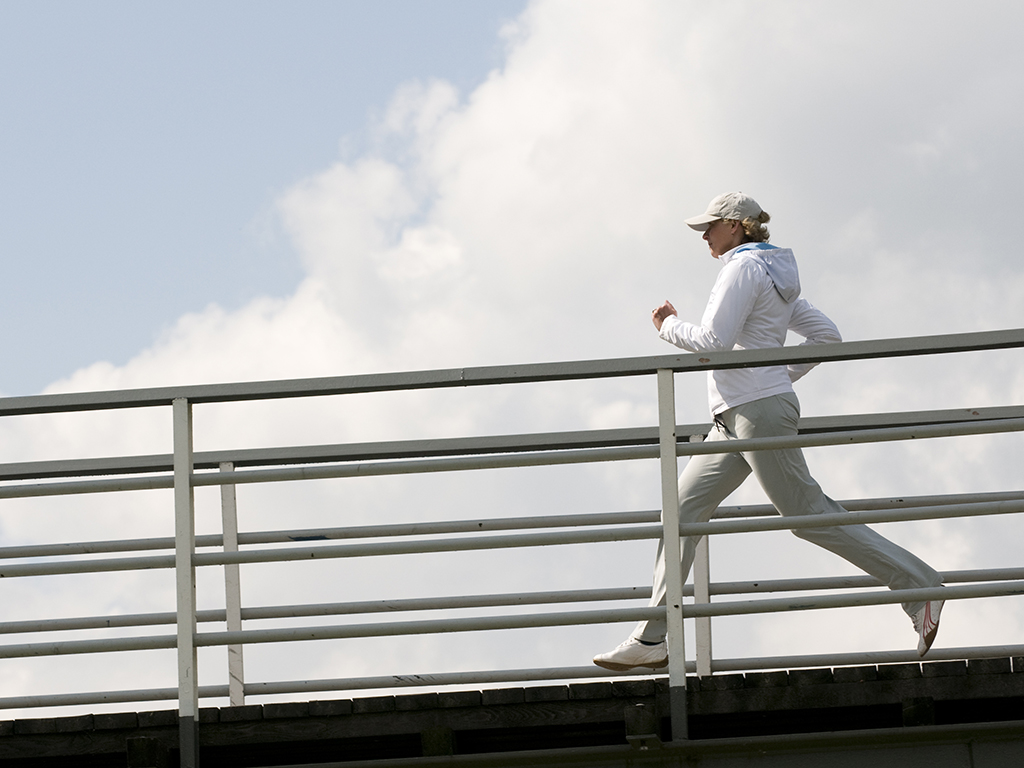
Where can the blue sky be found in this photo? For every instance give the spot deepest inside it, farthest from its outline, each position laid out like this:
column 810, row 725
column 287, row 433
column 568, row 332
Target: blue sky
column 143, row 145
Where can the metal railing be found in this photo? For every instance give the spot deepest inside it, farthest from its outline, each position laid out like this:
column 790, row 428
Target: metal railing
column 183, row 470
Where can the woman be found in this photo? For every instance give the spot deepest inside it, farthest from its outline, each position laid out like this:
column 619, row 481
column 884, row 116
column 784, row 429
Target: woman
column 754, row 303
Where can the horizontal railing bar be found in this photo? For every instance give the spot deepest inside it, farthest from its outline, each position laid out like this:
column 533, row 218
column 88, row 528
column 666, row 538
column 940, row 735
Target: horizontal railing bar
column 633, row 533
column 570, row 673
column 63, row 567
column 589, row 672
column 851, row 582
column 461, row 446
column 565, row 521
column 576, row 618
column 843, row 423
column 446, row 603
column 51, row 568
column 524, row 459
column 866, row 658
column 417, row 466
column 488, row 601
column 881, row 502
column 321, row 472
column 605, row 454
column 507, row 374
column 105, row 697
column 67, row 488
column 386, row 629
column 487, row 623
column 592, row 519
column 477, row 525
column 484, row 677
column 395, row 449
column 351, row 532
column 824, row 520
column 853, row 599
column 429, row 626
column 100, row 645
column 331, row 609
column 419, row 546
column 439, row 679
column 303, row 686
column 97, row 622
column 72, row 548
column 880, row 435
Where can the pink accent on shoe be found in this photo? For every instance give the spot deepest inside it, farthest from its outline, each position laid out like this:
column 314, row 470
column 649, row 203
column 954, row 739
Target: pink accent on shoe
column 926, row 622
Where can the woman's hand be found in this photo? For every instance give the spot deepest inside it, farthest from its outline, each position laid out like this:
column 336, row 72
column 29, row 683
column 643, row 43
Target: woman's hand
column 658, row 315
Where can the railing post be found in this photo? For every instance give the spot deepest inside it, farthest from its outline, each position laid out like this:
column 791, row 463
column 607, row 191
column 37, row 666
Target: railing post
column 673, row 567
column 232, row 589
column 702, row 596
column 185, row 575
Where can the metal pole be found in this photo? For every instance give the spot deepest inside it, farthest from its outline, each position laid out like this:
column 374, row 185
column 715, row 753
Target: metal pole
column 673, row 564
column 232, row 589
column 702, row 595
column 185, row 575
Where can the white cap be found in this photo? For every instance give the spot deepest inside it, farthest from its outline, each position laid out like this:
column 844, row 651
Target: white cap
column 731, row 205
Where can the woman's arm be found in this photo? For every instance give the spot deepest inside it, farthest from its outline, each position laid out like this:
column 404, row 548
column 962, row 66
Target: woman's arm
column 816, row 328
column 731, row 300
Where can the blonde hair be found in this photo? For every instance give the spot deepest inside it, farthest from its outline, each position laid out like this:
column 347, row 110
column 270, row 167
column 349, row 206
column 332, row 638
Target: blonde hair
column 754, row 228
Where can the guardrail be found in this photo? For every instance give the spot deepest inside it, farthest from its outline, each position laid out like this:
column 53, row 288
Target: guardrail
column 183, row 470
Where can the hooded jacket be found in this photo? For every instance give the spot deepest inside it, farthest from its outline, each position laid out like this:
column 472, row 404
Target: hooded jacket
column 755, row 302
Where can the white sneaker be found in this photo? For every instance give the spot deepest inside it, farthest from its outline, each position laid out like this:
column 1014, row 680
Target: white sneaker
column 926, row 622
column 632, row 654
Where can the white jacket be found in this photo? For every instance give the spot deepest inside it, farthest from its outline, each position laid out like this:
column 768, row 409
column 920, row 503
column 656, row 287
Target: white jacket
column 754, row 303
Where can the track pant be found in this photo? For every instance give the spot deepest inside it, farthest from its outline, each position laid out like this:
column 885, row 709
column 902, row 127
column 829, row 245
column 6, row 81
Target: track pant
column 707, row 480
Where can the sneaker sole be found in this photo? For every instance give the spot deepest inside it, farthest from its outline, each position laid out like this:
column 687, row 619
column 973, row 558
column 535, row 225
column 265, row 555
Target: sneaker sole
column 626, row 667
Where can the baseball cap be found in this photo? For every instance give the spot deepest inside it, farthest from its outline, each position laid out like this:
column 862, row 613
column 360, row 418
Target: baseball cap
column 731, row 205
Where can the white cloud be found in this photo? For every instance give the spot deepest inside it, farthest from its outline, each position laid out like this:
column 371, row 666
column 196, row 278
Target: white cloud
column 539, row 218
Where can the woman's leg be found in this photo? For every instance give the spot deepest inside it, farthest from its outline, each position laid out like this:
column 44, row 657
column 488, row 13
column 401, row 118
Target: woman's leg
column 703, row 484
column 785, row 478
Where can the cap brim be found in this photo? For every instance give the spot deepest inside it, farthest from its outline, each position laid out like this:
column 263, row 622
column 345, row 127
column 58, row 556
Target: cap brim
column 702, row 222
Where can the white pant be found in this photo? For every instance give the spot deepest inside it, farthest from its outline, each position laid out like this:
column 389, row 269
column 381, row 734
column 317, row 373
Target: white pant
column 708, row 479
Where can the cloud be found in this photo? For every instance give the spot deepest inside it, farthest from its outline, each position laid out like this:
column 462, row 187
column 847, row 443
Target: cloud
column 539, row 218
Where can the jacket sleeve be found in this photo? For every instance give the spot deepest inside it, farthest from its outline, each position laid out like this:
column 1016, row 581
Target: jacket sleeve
column 816, row 328
column 731, row 301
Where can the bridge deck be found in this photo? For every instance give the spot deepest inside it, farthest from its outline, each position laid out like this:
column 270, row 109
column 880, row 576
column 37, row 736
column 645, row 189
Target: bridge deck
column 879, row 712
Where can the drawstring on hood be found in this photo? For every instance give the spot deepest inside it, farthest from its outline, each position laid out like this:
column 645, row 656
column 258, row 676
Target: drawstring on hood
column 779, row 263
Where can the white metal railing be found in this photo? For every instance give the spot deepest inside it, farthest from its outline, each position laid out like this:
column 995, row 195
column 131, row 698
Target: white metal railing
column 184, row 470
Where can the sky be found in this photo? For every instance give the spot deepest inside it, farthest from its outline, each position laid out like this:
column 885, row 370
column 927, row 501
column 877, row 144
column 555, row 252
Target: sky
column 143, row 147
column 225, row 192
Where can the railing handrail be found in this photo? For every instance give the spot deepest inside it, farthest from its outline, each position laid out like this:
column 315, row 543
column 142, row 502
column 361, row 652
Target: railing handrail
column 508, row 374
column 468, row 446
column 514, row 621
column 477, row 525
column 384, row 606
column 304, row 551
column 510, row 459
column 184, row 471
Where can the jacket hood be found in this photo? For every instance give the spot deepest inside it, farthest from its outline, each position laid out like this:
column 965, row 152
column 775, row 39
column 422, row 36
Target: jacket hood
column 779, row 263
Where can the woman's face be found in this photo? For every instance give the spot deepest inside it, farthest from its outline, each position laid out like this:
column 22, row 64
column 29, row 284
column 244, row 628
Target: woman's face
column 723, row 235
